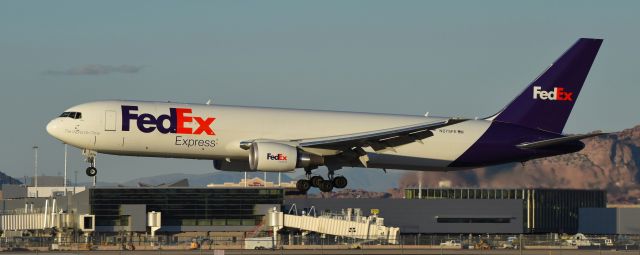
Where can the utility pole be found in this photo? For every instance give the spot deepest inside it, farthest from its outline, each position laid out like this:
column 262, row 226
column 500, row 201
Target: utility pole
column 65, row 170
column 521, row 236
column 76, row 183
column 35, row 168
column 75, row 213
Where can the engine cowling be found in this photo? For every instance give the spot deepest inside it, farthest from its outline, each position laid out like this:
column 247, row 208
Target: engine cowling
column 278, row 157
column 233, row 165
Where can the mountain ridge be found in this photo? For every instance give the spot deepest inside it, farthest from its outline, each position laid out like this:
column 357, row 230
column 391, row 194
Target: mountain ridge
column 610, row 162
column 6, row 179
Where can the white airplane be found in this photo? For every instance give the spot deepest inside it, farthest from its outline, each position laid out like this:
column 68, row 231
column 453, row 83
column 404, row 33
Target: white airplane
column 240, row 138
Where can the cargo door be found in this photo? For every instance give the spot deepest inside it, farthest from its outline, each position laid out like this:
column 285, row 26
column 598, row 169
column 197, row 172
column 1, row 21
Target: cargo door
column 110, row 121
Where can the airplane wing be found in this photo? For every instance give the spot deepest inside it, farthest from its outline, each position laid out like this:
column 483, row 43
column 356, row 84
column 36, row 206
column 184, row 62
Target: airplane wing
column 557, row 141
column 378, row 139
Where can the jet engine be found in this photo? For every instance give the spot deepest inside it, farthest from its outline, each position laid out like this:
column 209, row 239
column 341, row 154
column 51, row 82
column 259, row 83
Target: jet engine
column 232, row 165
column 278, row 157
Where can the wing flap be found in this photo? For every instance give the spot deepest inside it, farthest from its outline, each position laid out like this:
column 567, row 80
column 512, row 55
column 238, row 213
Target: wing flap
column 379, row 139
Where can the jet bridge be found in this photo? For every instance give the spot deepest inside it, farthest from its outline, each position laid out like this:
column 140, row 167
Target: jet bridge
column 349, row 223
column 34, row 219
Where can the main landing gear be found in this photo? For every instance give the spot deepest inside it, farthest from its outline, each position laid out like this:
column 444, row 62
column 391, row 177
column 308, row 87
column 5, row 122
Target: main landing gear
column 90, row 157
column 303, row 185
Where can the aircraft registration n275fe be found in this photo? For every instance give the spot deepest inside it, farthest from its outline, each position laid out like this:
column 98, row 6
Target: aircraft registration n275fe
column 240, row 138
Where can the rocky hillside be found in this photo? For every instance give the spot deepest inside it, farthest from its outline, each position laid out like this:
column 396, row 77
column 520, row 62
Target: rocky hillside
column 352, row 193
column 201, row 180
column 607, row 162
column 5, row 179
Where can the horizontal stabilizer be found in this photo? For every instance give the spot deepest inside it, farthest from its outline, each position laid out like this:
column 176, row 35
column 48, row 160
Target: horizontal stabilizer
column 557, row 141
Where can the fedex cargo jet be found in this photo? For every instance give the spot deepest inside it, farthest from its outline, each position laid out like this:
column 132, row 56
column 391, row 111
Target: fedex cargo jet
column 238, row 138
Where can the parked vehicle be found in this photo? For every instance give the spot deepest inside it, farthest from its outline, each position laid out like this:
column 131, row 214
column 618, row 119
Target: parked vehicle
column 483, row 245
column 451, row 243
column 579, row 239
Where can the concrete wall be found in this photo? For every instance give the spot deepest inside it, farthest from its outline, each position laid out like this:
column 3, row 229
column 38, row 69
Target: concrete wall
column 12, row 191
column 628, row 220
column 138, row 217
column 47, row 181
column 51, row 191
column 597, row 221
column 609, row 221
column 420, row 215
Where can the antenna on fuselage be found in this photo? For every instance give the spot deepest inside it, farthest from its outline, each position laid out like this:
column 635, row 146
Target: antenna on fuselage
column 426, row 114
column 209, row 102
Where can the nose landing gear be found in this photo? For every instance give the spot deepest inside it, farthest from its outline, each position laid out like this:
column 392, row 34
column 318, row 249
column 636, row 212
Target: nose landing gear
column 90, row 157
column 91, row 171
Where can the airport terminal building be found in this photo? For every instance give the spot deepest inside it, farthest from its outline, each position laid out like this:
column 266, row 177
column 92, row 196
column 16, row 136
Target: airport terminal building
column 465, row 210
column 543, row 210
column 183, row 211
column 241, row 212
column 430, row 216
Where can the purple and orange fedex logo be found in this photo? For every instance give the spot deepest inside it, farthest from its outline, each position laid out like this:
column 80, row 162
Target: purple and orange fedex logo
column 557, row 94
column 277, row 157
column 178, row 120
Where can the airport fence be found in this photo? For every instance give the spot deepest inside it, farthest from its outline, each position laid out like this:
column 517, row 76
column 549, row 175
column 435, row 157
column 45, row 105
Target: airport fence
column 553, row 243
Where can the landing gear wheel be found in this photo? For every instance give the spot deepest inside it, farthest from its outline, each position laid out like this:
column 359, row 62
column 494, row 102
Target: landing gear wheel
column 340, row 182
column 316, row 181
column 303, row 185
column 326, row 186
column 91, row 171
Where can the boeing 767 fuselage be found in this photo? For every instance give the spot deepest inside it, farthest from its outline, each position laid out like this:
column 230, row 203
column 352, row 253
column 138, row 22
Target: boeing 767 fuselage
column 241, row 138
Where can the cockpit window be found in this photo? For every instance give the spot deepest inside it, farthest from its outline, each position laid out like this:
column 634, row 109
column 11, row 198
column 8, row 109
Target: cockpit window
column 73, row 115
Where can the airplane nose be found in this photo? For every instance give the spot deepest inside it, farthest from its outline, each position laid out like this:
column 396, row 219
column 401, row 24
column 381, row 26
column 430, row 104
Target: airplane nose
column 52, row 127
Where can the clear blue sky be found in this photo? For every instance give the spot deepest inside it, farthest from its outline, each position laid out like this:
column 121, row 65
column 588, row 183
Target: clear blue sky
column 460, row 58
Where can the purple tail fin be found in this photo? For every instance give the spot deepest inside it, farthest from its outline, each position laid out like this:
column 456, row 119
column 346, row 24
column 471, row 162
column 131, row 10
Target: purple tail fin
column 547, row 102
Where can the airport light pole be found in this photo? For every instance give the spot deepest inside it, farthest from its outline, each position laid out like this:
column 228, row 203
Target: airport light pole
column 521, row 236
column 76, row 182
column 65, row 170
column 75, row 213
column 35, row 169
column 420, row 184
